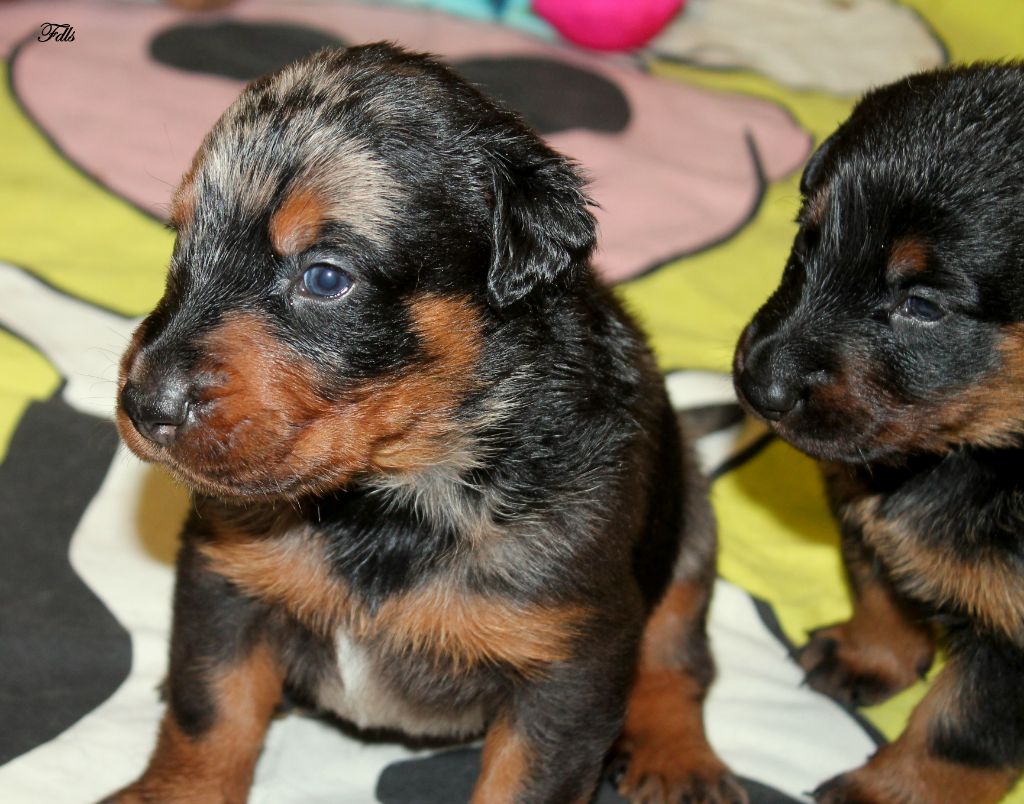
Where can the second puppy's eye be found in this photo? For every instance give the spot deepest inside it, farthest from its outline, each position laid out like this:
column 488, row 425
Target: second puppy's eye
column 921, row 308
column 326, row 281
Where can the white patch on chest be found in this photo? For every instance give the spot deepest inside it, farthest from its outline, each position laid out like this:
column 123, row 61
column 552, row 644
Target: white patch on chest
column 360, row 694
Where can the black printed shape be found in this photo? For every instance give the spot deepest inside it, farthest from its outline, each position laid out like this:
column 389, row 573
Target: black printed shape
column 62, row 653
column 448, row 777
column 552, row 95
column 232, row 49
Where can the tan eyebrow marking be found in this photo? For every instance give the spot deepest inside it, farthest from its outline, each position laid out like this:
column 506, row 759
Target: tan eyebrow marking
column 297, row 221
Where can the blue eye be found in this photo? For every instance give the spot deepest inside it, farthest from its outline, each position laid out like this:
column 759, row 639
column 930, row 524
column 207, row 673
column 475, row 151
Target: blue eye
column 326, row 281
column 921, row 308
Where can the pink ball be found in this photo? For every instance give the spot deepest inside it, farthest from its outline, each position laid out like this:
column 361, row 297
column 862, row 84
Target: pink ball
column 608, row 24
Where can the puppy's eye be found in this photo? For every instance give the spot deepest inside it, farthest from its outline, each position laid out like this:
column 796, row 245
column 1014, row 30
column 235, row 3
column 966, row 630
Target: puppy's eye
column 326, row 281
column 921, row 308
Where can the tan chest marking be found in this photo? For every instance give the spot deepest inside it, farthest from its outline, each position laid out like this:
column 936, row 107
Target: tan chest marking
column 984, row 586
column 463, row 629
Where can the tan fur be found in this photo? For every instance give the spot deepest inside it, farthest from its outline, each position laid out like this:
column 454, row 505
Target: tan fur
column 988, row 413
column 879, row 640
column 217, row 768
column 907, row 257
column 469, row 629
column 267, row 422
column 460, row 628
column 505, row 764
column 297, row 221
column 987, row 588
column 906, row 770
column 291, row 571
column 664, row 733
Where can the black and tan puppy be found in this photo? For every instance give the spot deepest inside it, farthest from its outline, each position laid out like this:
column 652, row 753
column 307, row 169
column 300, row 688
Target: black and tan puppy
column 438, row 485
column 893, row 350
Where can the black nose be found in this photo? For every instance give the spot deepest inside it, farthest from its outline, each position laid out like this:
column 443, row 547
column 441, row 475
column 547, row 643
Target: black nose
column 773, row 399
column 158, row 408
column 770, row 380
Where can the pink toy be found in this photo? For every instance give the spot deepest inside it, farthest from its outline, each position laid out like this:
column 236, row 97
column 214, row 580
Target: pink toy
column 608, row 24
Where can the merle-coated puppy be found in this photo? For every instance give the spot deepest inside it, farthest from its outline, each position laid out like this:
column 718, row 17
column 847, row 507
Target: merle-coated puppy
column 893, row 350
column 438, row 485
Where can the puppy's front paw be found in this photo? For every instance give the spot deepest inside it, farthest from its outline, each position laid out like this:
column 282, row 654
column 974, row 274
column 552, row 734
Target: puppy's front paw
column 856, row 671
column 669, row 777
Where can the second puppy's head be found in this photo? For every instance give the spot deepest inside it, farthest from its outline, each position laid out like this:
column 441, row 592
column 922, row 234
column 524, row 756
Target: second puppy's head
column 347, row 233
column 898, row 326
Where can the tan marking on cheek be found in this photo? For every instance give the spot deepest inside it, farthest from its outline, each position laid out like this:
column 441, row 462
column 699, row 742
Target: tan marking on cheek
column 908, row 256
column 403, row 423
column 252, row 417
column 290, row 571
column 268, row 425
column 217, row 766
column 297, row 221
column 423, row 403
column 986, row 588
column 991, row 413
column 505, row 765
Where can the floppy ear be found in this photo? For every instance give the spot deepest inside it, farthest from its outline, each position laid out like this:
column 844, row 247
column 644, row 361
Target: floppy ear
column 815, row 167
column 542, row 229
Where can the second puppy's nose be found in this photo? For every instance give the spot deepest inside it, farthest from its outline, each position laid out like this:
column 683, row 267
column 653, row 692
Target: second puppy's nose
column 158, row 409
column 775, row 400
column 770, row 385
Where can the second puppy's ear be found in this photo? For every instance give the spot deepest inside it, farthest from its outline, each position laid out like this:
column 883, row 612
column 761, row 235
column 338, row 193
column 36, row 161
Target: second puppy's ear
column 542, row 230
column 815, row 167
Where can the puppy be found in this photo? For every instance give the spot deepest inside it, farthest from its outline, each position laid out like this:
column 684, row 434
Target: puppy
column 438, row 485
column 893, row 351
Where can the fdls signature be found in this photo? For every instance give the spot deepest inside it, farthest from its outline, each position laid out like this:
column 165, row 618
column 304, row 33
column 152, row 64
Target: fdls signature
column 56, row 31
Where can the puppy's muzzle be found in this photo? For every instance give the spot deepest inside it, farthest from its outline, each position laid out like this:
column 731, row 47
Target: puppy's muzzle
column 158, row 406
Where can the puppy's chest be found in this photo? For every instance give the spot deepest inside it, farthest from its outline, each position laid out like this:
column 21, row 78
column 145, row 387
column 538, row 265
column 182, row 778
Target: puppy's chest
column 381, row 608
column 954, row 546
column 376, row 689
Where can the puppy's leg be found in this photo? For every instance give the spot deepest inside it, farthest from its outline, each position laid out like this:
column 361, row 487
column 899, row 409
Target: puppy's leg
column 964, row 742
column 224, row 684
column 882, row 649
column 669, row 757
column 550, row 742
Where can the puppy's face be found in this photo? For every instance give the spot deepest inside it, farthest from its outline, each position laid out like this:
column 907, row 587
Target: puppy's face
column 347, row 233
column 898, row 326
